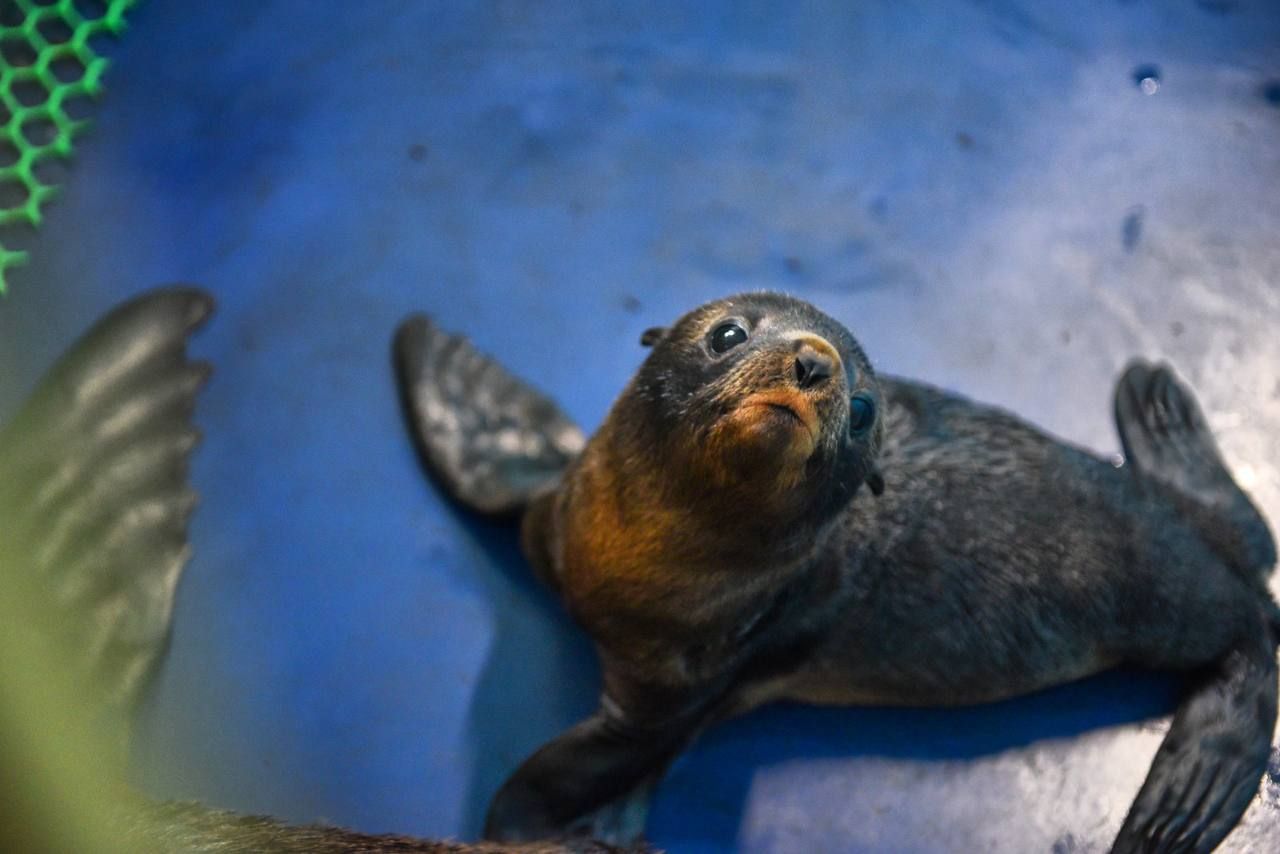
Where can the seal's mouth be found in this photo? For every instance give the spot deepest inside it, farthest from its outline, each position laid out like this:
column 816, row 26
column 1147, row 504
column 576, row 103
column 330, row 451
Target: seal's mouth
column 787, row 406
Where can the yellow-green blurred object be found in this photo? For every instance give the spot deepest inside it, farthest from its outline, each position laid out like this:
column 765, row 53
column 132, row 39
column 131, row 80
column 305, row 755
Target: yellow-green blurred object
column 45, row 61
column 60, row 768
column 94, row 506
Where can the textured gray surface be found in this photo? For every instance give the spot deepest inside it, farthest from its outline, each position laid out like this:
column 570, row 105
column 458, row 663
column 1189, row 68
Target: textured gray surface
column 980, row 190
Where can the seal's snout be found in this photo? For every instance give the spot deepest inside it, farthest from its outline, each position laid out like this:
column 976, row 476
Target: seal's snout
column 812, row 367
column 816, row 361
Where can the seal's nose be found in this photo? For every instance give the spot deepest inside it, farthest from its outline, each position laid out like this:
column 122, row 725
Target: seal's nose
column 813, row 366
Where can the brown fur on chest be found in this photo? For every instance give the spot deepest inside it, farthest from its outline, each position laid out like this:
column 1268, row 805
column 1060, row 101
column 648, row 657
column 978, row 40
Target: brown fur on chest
column 631, row 550
column 624, row 549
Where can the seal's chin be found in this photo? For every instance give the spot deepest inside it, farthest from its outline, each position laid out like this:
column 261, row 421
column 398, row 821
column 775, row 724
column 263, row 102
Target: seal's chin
column 790, row 405
column 777, row 423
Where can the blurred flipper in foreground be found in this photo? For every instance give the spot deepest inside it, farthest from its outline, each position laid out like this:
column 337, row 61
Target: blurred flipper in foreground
column 94, row 505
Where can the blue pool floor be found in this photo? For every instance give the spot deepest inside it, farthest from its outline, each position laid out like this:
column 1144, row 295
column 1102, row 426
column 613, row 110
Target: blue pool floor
column 983, row 191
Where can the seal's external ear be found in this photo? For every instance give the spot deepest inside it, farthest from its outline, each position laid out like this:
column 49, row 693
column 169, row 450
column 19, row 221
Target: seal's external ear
column 651, row 335
column 875, row 480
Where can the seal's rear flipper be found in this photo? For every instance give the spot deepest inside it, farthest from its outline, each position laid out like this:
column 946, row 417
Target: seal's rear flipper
column 94, row 498
column 1165, row 438
column 493, row 441
column 1207, row 768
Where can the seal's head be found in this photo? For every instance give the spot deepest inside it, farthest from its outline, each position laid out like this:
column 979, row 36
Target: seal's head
column 762, row 392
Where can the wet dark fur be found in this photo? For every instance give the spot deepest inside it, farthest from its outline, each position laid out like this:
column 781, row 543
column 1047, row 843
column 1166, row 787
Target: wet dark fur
column 999, row 560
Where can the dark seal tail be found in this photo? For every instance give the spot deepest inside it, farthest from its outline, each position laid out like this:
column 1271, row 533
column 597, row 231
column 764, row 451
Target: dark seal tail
column 1207, row 769
column 1166, row 439
column 94, row 499
column 490, row 439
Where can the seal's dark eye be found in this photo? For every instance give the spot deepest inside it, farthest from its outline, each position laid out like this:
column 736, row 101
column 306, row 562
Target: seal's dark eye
column 727, row 336
column 862, row 412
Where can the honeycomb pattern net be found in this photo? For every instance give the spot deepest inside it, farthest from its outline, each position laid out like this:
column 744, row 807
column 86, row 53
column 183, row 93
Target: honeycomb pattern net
column 47, row 70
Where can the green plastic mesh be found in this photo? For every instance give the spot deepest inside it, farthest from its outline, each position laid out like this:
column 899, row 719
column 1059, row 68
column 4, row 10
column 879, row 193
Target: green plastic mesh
column 46, row 63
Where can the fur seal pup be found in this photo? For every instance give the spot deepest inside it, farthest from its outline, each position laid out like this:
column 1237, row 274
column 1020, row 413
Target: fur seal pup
column 715, row 540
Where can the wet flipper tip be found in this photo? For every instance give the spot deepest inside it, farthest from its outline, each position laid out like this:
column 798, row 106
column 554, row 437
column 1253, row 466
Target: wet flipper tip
column 489, row 438
column 1166, row 439
column 1160, row 424
column 1207, row 769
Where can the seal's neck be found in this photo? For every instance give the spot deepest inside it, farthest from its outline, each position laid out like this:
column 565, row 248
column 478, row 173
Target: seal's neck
column 750, row 521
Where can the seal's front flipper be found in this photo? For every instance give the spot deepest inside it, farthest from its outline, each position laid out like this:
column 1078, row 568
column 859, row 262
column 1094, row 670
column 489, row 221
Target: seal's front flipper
column 492, row 440
column 94, row 498
column 595, row 778
column 1165, row 438
column 1207, row 768
column 621, row 821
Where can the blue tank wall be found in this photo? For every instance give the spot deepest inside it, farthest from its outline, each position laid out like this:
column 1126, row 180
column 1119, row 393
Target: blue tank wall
column 983, row 191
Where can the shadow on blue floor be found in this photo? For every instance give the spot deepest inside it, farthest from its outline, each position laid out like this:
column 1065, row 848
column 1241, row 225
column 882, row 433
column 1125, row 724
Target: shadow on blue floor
column 494, row 738
column 714, row 781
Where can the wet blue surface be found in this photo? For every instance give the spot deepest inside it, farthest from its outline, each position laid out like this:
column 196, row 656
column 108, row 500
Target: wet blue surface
column 982, row 191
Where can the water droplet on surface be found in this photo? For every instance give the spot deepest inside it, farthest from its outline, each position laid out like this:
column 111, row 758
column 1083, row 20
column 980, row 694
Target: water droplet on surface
column 1147, row 78
column 1117, row 460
